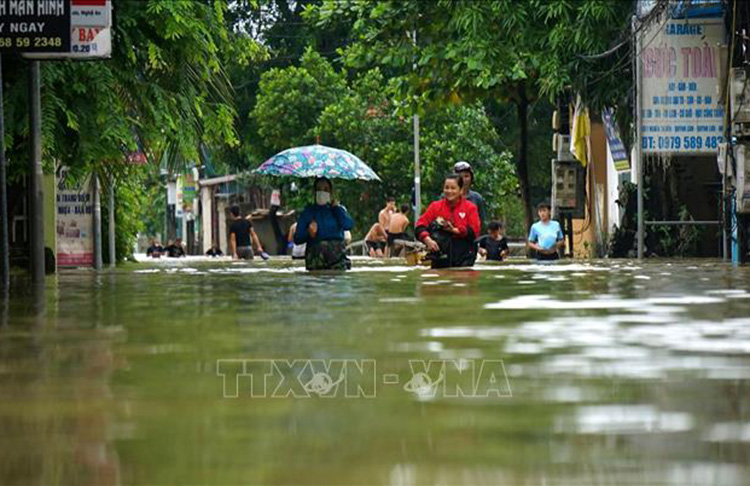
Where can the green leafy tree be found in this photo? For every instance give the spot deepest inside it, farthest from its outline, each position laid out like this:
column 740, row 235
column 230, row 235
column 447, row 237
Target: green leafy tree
column 452, row 50
column 290, row 100
column 364, row 121
column 164, row 92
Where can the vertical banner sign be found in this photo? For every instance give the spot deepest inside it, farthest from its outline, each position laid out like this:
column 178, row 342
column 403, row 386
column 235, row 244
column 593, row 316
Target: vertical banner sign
column 189, row 190
column 178, row 209
column 680, row 66
column 75, row 223
column 616, row 147
column 34, row 25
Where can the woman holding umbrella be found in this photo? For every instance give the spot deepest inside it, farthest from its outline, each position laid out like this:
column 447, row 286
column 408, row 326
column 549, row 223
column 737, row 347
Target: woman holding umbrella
column 321, row 226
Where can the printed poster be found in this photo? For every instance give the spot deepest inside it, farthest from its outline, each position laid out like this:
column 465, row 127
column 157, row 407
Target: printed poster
column 75, row 223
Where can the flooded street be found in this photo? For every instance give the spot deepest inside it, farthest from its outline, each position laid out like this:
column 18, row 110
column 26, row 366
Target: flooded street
column 594, row 373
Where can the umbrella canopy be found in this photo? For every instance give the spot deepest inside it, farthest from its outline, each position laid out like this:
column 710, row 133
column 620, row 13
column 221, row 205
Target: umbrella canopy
column 317, row 161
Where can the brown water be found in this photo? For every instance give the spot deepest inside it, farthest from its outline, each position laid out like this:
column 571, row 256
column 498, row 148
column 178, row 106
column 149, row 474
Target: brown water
column 595, row 373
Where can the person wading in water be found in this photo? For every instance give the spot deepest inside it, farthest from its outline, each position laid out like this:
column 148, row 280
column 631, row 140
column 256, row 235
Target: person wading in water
column 449, row 226
column 321, row 226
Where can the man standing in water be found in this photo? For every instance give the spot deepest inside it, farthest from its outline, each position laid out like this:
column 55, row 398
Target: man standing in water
column 397, row 231
column 384, row 217
column 463, row 169
column 242, row 237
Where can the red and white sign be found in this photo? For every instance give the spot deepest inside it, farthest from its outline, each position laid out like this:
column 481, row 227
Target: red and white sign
column 91, row 12
column 91, row 31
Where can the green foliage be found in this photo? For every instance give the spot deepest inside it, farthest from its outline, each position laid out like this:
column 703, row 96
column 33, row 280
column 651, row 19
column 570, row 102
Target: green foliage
column 164, row 92
column 362, row 118
column 131, row 202
column 441, row 52
column 164, row 88
column 476, row 48
column 679, row 240
column 291, row 99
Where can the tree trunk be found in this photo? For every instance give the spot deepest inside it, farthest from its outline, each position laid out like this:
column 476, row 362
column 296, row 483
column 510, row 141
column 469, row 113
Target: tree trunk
column 522, row 167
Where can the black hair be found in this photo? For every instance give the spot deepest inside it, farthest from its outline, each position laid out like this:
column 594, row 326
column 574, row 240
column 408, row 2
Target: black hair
column 456, row 177
column 404, row 208
column 235, row 210
column 495, row 226
column 390, row 199
column 322, row 179
column 470, row 171
column 543, row 205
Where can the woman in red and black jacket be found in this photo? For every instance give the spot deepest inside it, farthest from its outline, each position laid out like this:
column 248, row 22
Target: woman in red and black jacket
column 449, row 226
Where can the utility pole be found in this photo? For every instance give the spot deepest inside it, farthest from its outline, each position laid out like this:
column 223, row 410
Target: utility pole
column 4, row 246
column 97, row 222
column 111, row 226
column 417, row 170
column 417, row 178
column 638, row 162
column 36, row 176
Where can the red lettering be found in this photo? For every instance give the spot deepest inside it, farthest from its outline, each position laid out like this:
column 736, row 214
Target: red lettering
column 88, row 34
column 697, row 64
column 685, row 51
column 672, row 62
column 709, row 62
column 648, row 67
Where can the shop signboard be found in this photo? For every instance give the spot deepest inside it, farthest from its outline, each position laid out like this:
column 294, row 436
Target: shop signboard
column 680, row 65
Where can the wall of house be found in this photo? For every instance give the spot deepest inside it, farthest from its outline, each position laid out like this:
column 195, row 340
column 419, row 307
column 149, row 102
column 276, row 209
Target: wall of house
column 206, row 197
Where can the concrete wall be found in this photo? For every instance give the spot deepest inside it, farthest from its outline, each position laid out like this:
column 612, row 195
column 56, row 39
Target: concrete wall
column 586, row 232
column 222, row 207
column 613, row 191
column 206, row 197
column 50, row 213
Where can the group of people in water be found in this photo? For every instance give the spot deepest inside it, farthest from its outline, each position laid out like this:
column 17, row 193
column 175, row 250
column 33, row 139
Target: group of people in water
column 450, row 230
column 174, row 249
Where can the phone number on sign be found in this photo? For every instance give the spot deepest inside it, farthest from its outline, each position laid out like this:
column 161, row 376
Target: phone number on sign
column 27, row 42
column 688, row 142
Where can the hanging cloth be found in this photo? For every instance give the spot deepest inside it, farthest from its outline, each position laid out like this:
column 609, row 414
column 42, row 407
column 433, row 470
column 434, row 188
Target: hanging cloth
column 580, row 133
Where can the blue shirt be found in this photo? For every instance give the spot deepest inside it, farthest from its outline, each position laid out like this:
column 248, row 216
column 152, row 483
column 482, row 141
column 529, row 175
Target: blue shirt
column 546, row 234
column 332, row 222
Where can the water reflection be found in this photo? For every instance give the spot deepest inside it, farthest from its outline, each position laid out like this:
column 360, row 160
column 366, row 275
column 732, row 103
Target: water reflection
column 621, row 374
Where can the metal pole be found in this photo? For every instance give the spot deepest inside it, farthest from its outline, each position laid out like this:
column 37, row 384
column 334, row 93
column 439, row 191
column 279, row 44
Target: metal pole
column 97, row 222
column 417, row 170
column 638, row 144
column 417, row 178
column 36, row 176
column 4, row 247
column 111, row 226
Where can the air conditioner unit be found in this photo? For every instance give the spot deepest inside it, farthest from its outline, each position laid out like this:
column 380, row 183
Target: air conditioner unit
column 563, row 148
column 743, row 180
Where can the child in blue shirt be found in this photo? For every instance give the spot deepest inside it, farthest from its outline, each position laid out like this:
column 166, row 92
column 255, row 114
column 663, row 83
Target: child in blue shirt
column 546, row 236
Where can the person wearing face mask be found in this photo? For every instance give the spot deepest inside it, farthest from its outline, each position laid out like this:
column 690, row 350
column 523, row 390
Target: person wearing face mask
column 321, row 226
column 449, row 226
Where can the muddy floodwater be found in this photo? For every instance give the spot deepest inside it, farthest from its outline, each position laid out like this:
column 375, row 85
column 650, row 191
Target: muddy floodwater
column 196, row 372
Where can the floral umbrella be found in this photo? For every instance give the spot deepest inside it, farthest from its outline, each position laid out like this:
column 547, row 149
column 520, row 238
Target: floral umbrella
column 317, row 161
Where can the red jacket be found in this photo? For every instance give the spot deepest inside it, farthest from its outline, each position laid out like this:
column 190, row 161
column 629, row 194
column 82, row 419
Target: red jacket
column 464, row 216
